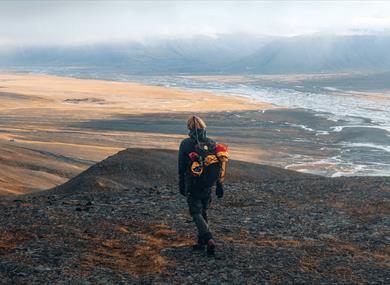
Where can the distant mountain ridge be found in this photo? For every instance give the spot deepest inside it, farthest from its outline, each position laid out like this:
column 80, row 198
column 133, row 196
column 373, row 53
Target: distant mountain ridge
column 229, row 54
column 319, row 54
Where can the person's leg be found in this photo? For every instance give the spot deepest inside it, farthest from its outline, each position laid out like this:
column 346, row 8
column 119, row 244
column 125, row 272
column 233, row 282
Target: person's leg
column 205, row 205
column 208, row 237
column 204, row 214
column 195, row 208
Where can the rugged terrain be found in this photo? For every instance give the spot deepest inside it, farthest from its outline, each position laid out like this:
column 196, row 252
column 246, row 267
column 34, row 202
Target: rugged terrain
column 123, row 222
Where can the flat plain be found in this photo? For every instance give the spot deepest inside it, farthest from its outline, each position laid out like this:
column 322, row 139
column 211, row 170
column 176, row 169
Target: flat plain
column 43, row 142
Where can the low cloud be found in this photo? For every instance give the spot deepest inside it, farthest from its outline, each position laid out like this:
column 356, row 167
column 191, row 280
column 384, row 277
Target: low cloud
column 71, row 22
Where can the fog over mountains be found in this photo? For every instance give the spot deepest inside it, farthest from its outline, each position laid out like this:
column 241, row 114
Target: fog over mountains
column 227, row 54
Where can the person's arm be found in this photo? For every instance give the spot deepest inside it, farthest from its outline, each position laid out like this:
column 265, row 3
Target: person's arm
column 219, row 189
column 221, row 179
column 182, row 168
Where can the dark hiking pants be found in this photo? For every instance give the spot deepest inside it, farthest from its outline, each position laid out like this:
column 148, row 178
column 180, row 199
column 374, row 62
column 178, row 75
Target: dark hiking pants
column 198, row 211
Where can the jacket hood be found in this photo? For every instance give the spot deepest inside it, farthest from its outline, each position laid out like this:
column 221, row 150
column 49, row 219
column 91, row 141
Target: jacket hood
column 201, row 133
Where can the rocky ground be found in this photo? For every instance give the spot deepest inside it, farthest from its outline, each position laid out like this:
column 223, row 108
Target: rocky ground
column 123, row 222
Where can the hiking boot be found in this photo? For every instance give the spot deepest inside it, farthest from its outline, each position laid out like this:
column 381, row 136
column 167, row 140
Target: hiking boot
column 211, row 247
column 198, row 247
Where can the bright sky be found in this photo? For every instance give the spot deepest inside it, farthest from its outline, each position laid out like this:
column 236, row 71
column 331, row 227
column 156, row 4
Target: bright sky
column 69, row 22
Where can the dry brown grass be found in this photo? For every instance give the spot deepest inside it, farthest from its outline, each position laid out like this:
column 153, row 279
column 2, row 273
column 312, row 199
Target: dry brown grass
column 279, row 243
column 268, row 242
column 141, row 257
column 25, row 205
column 316, row 250
column 122, row 229
column 308, row 263
column 275, row 279
column 11, row 239
column 368, row 212
column 347, row 274
column 383, row 256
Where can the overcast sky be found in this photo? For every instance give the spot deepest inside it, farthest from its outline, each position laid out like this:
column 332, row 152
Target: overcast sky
column 70, row 22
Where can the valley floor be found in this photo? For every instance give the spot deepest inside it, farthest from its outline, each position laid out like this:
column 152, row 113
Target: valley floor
column 52, row 128
column 43, row 142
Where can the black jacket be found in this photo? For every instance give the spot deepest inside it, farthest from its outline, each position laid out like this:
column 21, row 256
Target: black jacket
column 187, row 146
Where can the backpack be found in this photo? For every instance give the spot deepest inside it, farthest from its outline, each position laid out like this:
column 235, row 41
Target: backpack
column 207, row 163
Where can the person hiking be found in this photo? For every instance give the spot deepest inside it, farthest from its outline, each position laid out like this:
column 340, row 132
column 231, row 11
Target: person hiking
column 200, row 168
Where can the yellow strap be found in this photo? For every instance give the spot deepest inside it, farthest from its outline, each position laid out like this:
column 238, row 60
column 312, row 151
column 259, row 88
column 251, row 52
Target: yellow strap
column 223, row 171
column 196, row 170
column 223, row 154
column 210, row 159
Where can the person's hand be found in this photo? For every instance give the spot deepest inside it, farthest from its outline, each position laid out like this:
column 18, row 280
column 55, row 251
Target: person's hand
column 219, row 190
column 182, row 188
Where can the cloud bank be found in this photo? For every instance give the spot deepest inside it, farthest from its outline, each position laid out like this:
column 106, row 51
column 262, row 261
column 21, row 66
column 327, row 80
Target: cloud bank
column 72, row 22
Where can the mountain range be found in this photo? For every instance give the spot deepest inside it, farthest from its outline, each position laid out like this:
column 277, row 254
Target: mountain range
column 226, row 54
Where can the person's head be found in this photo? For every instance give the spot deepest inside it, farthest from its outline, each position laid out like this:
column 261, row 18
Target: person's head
column 197, row 128
column 195, row 122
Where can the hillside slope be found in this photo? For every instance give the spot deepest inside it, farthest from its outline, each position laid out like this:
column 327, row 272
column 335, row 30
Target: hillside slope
column 123, row 222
